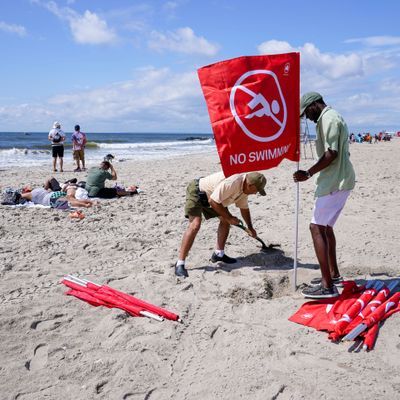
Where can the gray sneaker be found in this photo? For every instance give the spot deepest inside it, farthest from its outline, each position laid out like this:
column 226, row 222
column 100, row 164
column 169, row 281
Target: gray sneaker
column 226, row 259
column 181, row 271
column 319, row 292
column 336, row 281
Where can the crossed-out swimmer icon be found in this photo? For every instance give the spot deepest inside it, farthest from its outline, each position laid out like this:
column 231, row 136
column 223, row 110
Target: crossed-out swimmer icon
column 258, row 99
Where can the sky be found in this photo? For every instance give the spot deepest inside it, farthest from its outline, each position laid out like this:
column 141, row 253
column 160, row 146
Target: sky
column 131, row 66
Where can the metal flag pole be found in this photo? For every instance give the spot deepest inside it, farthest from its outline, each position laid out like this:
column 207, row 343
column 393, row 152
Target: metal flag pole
column 296, row 223
column 296, row 233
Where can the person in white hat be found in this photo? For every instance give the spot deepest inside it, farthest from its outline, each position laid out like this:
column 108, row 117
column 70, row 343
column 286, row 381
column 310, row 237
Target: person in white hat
column 57, row 138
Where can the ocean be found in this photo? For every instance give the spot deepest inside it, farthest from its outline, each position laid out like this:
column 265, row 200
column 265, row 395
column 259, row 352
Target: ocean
column 33, row 148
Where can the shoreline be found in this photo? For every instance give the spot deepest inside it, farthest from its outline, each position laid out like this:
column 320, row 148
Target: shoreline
column 235, row 333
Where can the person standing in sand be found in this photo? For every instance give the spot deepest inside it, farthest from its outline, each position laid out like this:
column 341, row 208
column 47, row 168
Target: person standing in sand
column 78, row 148
column 57, row 138
column 335, row 181
column 211, row 197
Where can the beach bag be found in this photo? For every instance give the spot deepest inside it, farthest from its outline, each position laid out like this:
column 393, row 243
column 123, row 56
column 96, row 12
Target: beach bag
column 57, row 138
column 10, row 197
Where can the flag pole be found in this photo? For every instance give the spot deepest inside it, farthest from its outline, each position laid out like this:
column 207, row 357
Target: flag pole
column 296, row 217
column 296, row 233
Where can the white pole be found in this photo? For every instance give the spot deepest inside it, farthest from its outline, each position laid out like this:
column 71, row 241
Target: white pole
column 149, row 314
column 296, row 233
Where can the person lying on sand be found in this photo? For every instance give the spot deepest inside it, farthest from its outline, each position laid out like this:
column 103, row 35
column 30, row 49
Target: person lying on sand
column 55, row 199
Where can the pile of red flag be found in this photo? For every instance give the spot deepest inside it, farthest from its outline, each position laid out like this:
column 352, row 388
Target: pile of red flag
column 103, row 295
column 357, row 313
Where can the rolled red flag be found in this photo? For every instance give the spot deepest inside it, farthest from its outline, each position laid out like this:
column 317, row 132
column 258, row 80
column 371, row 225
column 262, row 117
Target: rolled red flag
column 370, row 337
column 354, row 310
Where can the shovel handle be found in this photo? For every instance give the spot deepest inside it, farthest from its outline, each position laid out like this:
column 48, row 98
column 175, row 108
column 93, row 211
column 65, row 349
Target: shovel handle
column 247, row 230
column 241, row 226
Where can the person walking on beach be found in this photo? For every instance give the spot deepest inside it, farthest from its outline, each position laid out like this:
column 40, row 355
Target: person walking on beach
column 57, row 138
column 211, row 197
column 333, row 185
column 78, row 148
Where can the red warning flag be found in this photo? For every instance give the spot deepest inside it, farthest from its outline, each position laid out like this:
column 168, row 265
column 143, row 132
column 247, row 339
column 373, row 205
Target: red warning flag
column 253, row 103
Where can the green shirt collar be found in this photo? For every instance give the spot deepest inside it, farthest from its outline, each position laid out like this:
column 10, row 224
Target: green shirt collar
column 323, row 112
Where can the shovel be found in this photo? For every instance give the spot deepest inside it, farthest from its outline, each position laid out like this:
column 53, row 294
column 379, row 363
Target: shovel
column 264, row 247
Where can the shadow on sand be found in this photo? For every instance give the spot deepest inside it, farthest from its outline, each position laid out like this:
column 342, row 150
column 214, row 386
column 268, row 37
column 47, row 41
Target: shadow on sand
column 273, row 259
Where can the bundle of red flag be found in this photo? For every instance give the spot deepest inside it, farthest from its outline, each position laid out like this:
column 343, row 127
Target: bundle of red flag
column 357, row 313
column 103, row 295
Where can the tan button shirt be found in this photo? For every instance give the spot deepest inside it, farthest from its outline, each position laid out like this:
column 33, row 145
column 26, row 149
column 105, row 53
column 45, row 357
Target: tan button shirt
column 225, row 191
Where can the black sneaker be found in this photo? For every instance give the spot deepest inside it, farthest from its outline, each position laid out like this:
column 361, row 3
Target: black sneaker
column 224, row 258
column 181, row 271
column 319, row 292
column 336, row 281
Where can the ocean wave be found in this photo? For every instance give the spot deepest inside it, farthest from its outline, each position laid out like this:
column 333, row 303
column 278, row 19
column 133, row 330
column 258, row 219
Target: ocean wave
column 19, row 151
column 92, row 145
column 184, row 142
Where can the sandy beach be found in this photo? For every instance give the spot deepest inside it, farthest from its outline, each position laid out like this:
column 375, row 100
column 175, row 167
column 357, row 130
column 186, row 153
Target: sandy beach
column 235, row 341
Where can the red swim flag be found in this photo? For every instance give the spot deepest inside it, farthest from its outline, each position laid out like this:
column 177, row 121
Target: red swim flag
column 253, row 103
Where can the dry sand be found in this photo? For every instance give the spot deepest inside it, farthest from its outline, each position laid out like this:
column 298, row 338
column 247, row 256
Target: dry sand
column 236, row 341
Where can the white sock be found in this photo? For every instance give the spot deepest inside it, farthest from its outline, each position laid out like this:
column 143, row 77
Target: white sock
column 219, row 253
column 180, row 262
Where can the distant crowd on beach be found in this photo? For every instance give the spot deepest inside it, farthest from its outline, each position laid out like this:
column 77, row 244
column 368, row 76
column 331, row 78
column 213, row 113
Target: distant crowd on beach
column 369, row 138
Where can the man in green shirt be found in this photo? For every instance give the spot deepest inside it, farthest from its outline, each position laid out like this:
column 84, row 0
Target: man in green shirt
column 335, row 181
column 95, row 182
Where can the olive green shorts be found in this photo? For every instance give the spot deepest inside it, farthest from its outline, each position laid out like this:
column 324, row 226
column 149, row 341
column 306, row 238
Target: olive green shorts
column 193, row 205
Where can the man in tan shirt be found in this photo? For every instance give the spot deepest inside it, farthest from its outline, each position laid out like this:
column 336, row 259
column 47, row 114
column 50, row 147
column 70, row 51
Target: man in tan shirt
column 210, row 196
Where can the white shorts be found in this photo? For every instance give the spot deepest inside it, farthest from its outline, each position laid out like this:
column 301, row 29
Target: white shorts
column 327, row 208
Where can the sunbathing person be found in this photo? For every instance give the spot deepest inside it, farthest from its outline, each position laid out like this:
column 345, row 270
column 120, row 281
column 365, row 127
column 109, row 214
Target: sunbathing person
column 95, row 182
column 55, row 199
column 71, row 189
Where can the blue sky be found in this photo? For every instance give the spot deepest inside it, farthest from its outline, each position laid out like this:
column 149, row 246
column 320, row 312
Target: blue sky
column 130, row 66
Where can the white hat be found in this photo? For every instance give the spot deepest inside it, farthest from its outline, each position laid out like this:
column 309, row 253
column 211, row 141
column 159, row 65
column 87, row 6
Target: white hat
column 56, row 125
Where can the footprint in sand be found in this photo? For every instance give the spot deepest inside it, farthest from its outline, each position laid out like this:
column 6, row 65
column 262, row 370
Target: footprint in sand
column 152, row 394
column 47, row 324
column 40, row 356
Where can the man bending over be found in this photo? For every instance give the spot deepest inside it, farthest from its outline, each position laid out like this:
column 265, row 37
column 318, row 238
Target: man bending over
column 210, row 196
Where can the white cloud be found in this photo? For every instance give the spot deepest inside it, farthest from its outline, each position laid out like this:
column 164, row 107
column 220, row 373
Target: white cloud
column 91, row 29
column 363, row 84
column 12, row 28
column 376, row 41
column 316, row 64
column 182, row 40
column 86, row 28
column 155, row 100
